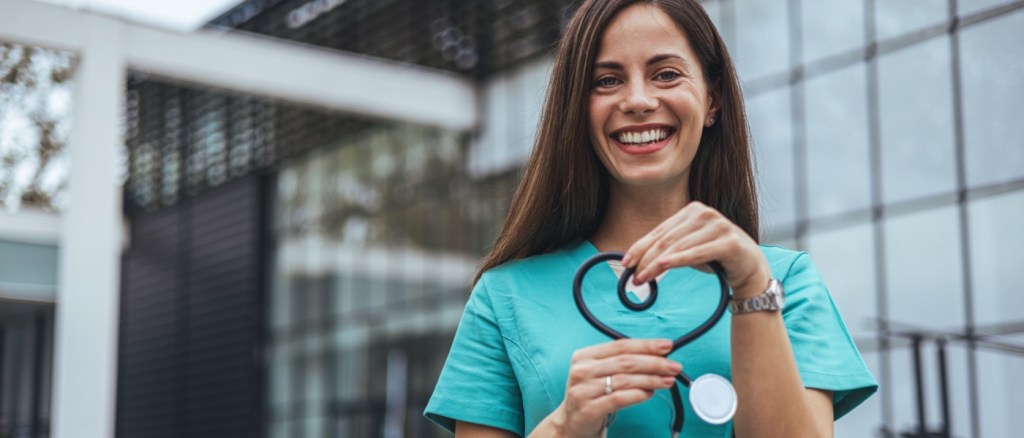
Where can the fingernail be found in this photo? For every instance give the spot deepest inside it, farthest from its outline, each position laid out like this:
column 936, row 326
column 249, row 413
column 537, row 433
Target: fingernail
column 668, row 381
column 664, row 344
column 626, row 260
column 676, row 366
column 638, row 279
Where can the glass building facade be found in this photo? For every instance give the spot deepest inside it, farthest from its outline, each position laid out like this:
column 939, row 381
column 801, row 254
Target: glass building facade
column 374, row 243
column 886, row 148
column 887, row 145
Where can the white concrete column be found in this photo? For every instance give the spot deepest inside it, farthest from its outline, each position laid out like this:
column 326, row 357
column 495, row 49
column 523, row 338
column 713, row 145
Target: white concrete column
column 85, row 366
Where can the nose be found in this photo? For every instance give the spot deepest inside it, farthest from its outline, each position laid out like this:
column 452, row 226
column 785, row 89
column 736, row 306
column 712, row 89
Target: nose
column 638, row 99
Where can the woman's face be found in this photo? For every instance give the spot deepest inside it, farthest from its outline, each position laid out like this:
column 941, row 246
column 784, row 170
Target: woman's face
column 648, row 101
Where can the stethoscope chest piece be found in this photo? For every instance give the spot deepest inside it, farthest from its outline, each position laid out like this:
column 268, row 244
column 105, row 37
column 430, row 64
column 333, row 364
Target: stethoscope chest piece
column 713, row 398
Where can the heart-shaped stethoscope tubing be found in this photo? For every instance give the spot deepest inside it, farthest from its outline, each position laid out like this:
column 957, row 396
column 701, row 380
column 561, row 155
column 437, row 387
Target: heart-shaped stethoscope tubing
column 723, row 303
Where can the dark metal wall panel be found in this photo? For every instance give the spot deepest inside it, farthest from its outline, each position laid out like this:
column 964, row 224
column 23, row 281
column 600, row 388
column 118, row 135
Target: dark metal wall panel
column 148, row 393
column 191, row 317
column 223, row 312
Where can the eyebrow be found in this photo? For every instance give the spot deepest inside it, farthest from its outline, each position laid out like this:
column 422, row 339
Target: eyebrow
column 612, row 65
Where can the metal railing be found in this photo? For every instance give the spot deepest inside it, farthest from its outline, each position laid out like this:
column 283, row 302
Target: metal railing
column 917, row 338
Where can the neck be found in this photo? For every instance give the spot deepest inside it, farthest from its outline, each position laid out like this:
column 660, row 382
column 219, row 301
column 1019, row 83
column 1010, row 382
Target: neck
column 634, row 211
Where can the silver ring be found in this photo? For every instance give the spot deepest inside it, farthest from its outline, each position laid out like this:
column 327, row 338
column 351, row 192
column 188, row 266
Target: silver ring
column 608, row 385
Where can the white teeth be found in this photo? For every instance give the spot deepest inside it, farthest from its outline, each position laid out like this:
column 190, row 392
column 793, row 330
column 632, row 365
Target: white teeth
column 643, row 137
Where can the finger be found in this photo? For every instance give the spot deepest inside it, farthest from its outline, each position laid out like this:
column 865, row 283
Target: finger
column 700, row 255
column 658, row 347
column 690, row 218
column 642, row 246
column 627, row 364
column 597, row 387
column 690, row 233
column 619, row 400
column 693, row 236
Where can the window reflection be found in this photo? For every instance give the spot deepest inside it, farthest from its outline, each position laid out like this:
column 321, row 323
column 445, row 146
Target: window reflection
column 846, row 260
column 762, row 38
column 373, row 259
column 972, row 6
column 895, row 18
column 1000, row 383
column 903, row 395
column 831, row 27
column 771, row 128
column 838, row 177
column 992, row 92
column 916, row 118
column 995, row 258
column 925, row 280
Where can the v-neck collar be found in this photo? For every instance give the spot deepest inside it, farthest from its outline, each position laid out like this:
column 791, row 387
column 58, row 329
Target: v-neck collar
column 601, row 281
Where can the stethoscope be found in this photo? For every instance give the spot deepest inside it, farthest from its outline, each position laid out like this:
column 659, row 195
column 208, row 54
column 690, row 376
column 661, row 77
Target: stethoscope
column 711, row 396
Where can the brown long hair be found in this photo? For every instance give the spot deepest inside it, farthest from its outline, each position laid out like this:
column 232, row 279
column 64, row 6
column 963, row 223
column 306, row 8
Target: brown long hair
column 563, row 193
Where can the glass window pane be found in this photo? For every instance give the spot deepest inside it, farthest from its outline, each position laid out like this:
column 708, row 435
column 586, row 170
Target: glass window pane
column 925, row 282
column 903, row 393
column 915, row 111
column 993, row 89
column 971, row 6
column 714, row 10
column 995, row 258
column 771, row 125
column 762, row 34
column 898, row 17
column 837, row 142
column 846, row 260
column 831, row 27
column 1000, row 385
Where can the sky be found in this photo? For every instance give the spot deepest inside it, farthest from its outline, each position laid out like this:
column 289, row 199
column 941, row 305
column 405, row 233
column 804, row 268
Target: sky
column 180, row 15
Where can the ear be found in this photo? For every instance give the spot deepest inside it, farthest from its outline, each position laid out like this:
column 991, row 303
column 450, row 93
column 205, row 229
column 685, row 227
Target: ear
column 714, row 104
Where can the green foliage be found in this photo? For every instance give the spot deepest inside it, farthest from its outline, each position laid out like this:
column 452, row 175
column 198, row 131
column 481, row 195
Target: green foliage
column 35, row 121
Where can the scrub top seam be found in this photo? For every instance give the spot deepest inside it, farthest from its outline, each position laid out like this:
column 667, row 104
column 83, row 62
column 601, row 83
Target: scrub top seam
column 511, row 320
column 536, row 372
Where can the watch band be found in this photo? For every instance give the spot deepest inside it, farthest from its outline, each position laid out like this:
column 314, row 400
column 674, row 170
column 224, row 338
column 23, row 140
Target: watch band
column 769, row 301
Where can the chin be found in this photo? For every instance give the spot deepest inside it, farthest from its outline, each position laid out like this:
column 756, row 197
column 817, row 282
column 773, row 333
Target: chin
column 648, row 179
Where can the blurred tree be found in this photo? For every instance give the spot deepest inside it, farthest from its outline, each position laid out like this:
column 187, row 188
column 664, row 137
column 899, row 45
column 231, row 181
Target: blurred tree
column 35, row 120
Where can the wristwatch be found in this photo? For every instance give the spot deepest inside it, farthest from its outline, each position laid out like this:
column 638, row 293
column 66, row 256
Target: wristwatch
column 770, row 300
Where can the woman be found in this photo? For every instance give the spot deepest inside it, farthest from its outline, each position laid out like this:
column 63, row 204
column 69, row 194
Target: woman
column 643, row 149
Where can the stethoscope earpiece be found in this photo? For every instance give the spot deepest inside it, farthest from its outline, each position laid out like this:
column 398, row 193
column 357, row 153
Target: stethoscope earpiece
column 712, row 397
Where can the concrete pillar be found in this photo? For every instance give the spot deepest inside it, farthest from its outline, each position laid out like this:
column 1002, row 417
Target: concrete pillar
column 85, row 348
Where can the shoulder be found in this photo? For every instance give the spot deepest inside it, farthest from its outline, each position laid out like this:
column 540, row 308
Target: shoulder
column 786, row 263
column 548, row 268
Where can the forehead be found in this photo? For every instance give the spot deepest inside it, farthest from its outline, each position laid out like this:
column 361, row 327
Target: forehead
column 642, row 28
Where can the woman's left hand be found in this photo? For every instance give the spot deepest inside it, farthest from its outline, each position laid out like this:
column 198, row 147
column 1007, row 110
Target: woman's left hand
column 693, row 236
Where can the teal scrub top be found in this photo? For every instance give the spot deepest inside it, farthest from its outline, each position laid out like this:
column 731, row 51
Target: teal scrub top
column 509, row 362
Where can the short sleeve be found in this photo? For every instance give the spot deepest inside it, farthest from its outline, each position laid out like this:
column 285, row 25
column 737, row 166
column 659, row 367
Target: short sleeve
column 477, row 384
column 825, row 354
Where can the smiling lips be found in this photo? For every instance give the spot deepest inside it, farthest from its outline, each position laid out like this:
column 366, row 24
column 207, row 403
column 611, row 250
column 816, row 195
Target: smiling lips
column 643, row 140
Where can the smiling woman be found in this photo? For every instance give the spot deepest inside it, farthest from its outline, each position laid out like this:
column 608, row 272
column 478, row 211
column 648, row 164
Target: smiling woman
column 643, row 149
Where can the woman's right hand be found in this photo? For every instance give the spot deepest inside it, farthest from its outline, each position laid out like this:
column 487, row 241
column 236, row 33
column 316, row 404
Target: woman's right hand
column 637, row 368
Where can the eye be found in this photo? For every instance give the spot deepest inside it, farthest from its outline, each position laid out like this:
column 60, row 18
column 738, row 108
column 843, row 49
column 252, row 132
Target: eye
column 667, row 75
column 606, row 82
